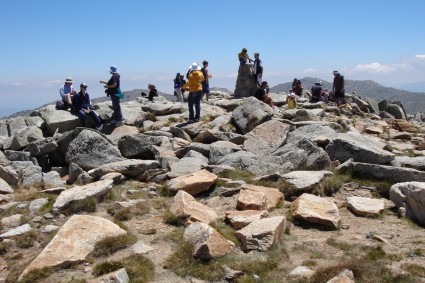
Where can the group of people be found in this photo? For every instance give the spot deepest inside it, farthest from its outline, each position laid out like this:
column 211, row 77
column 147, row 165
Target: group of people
column 198, row 86
column 80, row 103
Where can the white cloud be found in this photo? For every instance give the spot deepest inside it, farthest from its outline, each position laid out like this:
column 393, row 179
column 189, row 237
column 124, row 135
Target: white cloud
column 308, row 71
column 18, row 84
column 420, row 56
column 52, row 83
column 375, row 68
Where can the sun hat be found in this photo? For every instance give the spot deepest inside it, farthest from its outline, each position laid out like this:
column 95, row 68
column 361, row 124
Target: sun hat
column 69, row 80
column 112, row 69
column 335, row 72
column 83, row 85
column 319, row 83
column 244, row 50
column 264, row 83
column 195, row 66
column 292, row 94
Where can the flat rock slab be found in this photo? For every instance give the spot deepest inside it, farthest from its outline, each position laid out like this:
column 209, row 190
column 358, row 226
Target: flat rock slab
column 5, row 188
column 305, row 180
column 78, row 193
column 185, row 207
column 388, row 173
column 262, row 234
column 130, row 167
column 206, row 241
column 258, row 197
column 240, row 219
column 194, row 183
column 20, row 230
column 316, row 210
column 74, row 241
column 365, row 206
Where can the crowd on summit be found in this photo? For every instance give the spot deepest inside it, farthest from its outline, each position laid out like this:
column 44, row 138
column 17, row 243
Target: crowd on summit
column 196, row 82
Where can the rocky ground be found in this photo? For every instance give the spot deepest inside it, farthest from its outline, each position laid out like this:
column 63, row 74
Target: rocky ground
column 247, row 194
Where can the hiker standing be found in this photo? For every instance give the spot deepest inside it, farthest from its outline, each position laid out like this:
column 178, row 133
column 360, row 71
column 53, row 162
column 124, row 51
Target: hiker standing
column 194, row 85
column 66, row 92
column 83, row 106
column 206, row 81
column 338, row 88
column 243, row 59
column 178, row 84
column 258, row 69
column 112, row 89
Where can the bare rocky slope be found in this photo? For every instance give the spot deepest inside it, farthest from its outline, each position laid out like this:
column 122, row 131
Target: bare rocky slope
column 248, row 194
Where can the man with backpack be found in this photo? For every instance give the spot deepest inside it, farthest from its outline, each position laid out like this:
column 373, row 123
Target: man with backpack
column 178, row 84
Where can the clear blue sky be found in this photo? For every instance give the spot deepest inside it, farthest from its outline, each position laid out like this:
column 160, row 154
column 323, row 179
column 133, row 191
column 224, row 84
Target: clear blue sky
column 42, row 42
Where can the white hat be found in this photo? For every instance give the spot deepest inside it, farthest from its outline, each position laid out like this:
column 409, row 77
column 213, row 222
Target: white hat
column 69, row 80
column 292, row 94
column 195, row 66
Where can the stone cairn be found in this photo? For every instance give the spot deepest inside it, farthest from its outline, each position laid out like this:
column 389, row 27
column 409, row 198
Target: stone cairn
column 245, row 83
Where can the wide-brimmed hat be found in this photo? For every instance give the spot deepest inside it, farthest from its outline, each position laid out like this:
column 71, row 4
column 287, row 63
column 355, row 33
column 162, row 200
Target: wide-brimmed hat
column 83, row 85
column 69, row 80
column 195, row 66
column 112, row 69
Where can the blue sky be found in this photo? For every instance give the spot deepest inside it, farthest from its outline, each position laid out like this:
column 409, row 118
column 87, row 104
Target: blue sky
column 42, row 42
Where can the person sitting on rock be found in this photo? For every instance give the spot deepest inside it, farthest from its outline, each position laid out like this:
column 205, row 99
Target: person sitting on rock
column 290, row 100
column 297, row 87
column 316, row 92
column 262, row 94
column 83, row 106
column 66, row 92
column 152, row 92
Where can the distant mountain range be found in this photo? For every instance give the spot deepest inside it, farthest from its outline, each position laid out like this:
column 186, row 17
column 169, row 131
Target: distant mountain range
column 412, row 101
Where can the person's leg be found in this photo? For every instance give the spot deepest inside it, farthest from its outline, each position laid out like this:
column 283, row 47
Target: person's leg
column 117, row 108
column 268, row 100
column 96, row 118
column 190, row 102
column 179, row 95
column 198, row 98
column 82, row 117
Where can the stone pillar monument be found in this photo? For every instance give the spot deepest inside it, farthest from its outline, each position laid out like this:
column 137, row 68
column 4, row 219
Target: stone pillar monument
column 245, row 83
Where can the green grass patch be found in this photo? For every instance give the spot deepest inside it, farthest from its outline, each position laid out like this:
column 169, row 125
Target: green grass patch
column 110, row 245
column 37, row 275
column 329, row 185
column 226, row 231
column 414, row 269
column 169, row 218
column 139, row 268
column 5, row 247
column 238, row 174
column 26, row 240
column 88, row 205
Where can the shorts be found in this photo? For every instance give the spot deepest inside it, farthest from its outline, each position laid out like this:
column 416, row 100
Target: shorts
column 205, row 88
column 339, row 94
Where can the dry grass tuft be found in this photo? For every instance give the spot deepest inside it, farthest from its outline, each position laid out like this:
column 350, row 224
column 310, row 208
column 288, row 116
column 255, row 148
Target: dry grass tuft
column 110, row 245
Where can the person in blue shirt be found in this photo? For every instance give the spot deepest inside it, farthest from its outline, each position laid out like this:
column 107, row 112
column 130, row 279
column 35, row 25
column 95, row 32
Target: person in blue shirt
column 82, row 105
column 67, row 91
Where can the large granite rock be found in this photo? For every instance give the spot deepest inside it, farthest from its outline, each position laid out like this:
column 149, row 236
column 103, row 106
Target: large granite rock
column 239, row 219
column 20, row 230
column 30, row 176
column 194, row 183
column 220, row 149
column 77, row 193
column 5, row 188
column 74, row 241
column 360, row 148
column 186, row 208
column 187, row 165
column 411, row 196
column 60, row 120
column 15, row 124
column 316, row 210
column 163, row 108
column 262, row 234
column 250, row 114
column 388, row 173
column 417, row 162
column 206, row 241
column 131, row 168
column 266, row 137
column 90, row 150
column 252, row 197
column 303, row 181
column 25, row 136
column 139, row 145
column 311, row 132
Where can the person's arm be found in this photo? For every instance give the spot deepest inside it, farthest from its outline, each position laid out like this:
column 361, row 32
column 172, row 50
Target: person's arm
column 342, row 84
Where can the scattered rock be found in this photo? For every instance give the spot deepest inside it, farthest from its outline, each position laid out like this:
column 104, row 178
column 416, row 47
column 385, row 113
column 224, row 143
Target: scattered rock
column 193, row 183
column 365, row 206
column 241, row 219
column 411, row 196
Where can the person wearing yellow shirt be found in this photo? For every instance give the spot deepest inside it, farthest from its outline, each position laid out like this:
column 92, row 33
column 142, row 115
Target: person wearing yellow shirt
column 194, row 85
